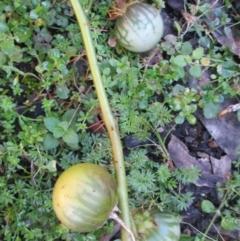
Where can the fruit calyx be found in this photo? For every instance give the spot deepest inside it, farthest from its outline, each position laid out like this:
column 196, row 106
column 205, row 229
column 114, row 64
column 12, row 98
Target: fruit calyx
column 119, row 8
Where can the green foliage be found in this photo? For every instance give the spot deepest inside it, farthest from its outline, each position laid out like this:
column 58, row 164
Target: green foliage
column 183, row 100
column 158, row 182
column 48, row 103
column 189, row 175
column 207, row 206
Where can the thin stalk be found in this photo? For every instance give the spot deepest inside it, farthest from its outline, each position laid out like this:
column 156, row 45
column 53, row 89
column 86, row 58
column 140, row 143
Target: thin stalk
column 161, row 141
column 217, row 212
column 108, row 118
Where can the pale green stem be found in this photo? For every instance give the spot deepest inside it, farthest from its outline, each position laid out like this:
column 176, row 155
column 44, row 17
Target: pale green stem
column 217, row 212
column 108, row 118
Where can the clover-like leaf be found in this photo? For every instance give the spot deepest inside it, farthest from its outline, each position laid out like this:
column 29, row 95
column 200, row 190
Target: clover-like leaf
column 62, row 91
column 211, row 110
column 50, row 123
column 228, row 223
column 207, row 206
column 198, row 53
column 60, row 129
column 22, row 34
column 50, row 142
column 186, row 48
column 179, row 60
column 195, row 71
column 71, row 138
column 7, row 46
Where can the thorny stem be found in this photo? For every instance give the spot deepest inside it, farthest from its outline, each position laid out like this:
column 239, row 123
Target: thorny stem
column 108, row 118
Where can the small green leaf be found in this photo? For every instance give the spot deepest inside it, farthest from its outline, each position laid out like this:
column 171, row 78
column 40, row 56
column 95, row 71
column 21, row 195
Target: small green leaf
column 204, row 7
column 50, row 123
column 186, row 238
column 204, row 41
column 179, row 60
column 178, row 27
column 70, row 116
column 60, row 129
column 49, row 142
column 195, row 71
column 3, row 59
column 228, row 223
column 198, row 53
column 211, row 110
column 39, row 68
column 188, row 59
column 178, row 89
column 63, row 125
column 71, row 51
column 22, row 34
column 48, row 65
column 179, row 119
column 3, row 36
column 71, row 138
column 7, row 46
column 106, row 71
column 218, row 98
column 227, row 31
column 191, row 119
column 54, row 54
column 17, row 56
column 186, row 48
column 62, row 92
column 33, row 15
column 4, row 27
column 207, row 206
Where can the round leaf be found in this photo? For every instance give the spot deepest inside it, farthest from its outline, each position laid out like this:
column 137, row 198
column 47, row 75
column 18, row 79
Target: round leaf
column 17, row 56
column 191, row 119
column 228, row 223
column 62, row 91
column 207, row 206
column 179, row 119
column 3, row 58
column 198, row 53
column 54, row 54
column 195, row 71
column 3, row 27
column 211, row 110
column 71, row 138
column 22, row 34
column 60, row 129
column 50, row 123
column 49, row 142
column 7, row 46
column 186, row 48
column 179, row 60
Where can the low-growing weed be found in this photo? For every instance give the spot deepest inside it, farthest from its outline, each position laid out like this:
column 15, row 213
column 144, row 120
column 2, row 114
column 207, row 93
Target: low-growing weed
column 48, row 102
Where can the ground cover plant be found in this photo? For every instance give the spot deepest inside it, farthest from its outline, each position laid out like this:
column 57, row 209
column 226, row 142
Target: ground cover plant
column 51, row 118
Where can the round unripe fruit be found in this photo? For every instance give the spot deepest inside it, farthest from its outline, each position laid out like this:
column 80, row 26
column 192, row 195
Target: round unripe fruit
column 84, row 196
column 140, row 28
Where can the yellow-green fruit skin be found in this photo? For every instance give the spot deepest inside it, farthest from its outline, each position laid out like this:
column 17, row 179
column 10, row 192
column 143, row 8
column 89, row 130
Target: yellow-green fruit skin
column 84, row 196
column 140, row 28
